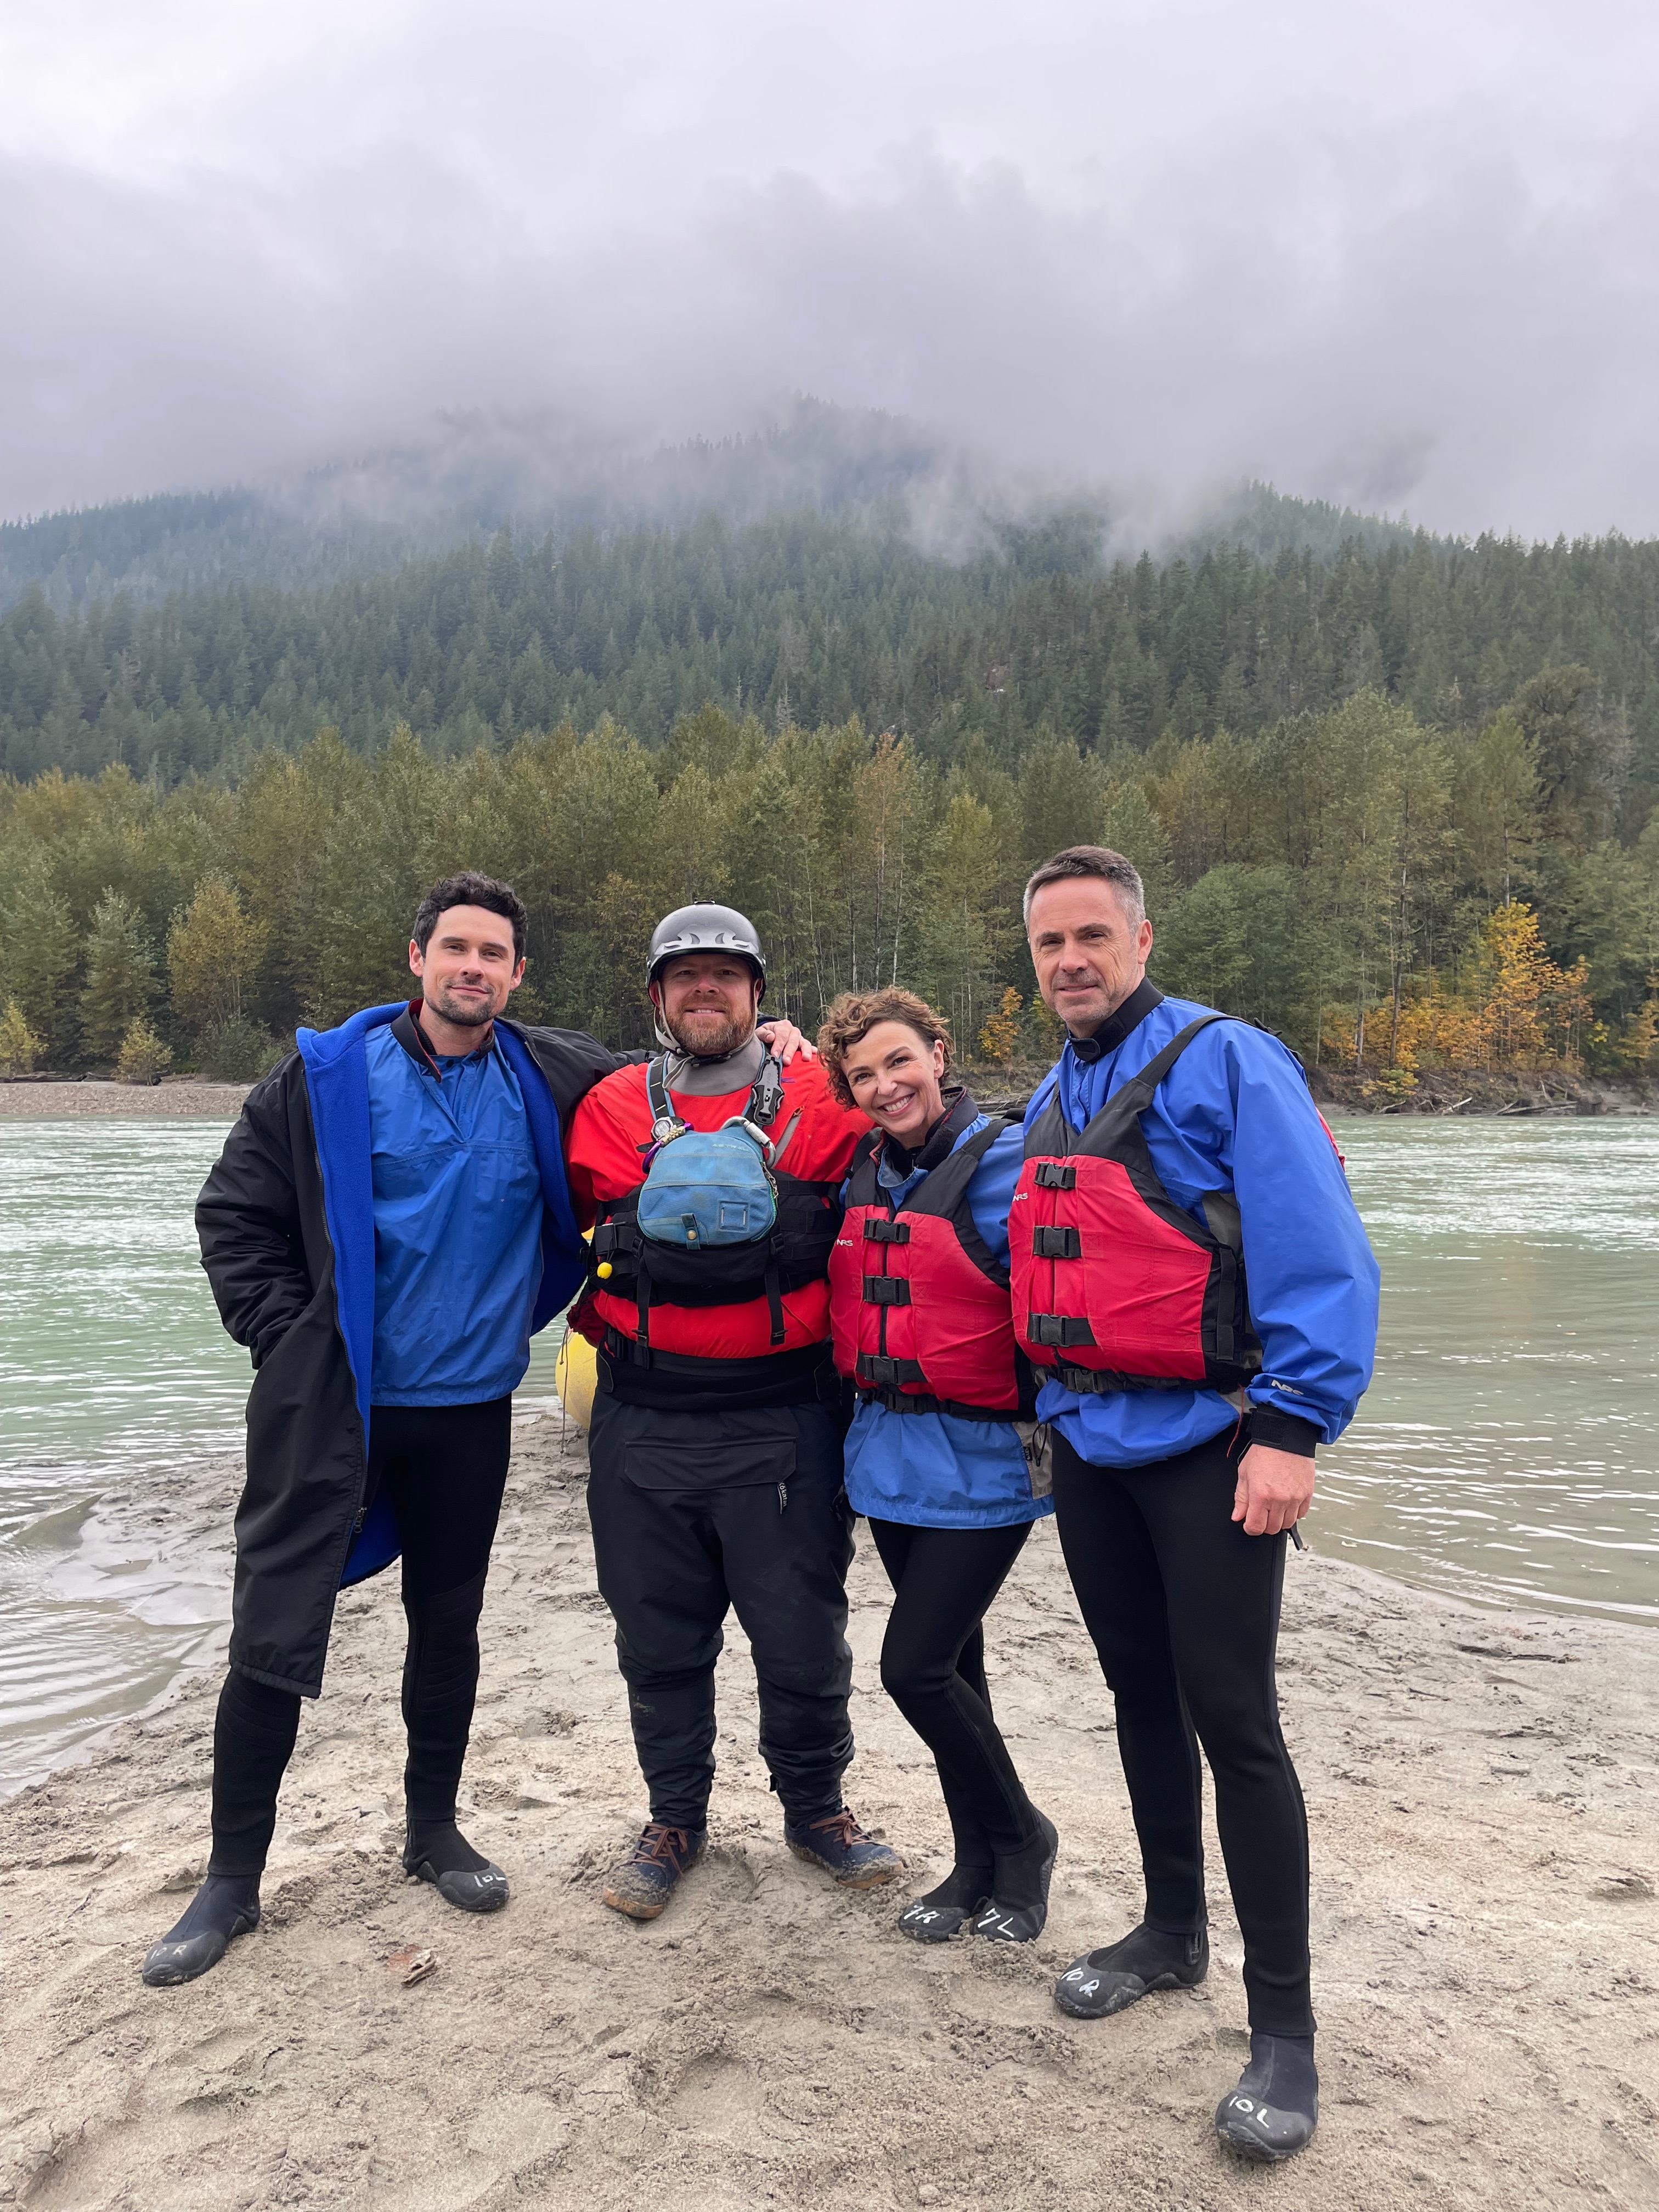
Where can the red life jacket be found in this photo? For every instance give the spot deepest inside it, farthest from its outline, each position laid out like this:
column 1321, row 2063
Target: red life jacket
column 1115, row 1286
column 919, row 1309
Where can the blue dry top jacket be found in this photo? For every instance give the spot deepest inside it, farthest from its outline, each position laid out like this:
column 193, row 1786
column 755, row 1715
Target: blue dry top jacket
column 1234, row 1113
column 337, row 1080
column 458, row 1226
column 935, row 1470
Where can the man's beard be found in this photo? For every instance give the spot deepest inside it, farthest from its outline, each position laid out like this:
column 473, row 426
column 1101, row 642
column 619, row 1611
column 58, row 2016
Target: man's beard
column 464, row 1013
column 711, row 1040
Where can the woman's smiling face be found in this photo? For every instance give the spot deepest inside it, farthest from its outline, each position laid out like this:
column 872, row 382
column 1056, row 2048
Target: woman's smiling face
column 895, row 1076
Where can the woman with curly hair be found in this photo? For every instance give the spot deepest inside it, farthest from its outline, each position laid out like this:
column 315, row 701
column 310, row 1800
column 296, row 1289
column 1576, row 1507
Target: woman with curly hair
column 937, row 1453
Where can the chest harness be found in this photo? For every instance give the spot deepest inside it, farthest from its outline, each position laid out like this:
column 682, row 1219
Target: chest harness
column 714, row 1220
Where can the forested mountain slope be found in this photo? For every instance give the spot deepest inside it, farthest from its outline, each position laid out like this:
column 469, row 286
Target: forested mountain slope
column 809, row 621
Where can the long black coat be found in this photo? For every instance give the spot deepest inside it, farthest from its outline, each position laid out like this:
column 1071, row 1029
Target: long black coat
column 270, row 1259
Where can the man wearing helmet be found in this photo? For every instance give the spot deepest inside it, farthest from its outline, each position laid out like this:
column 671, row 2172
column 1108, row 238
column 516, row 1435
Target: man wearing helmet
column 715, row 1438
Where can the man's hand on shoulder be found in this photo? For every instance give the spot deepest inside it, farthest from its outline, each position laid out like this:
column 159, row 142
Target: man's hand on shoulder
column 783, row 1038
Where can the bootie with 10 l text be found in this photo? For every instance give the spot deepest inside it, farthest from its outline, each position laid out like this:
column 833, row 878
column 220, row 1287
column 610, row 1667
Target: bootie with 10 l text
column 1273, row 2111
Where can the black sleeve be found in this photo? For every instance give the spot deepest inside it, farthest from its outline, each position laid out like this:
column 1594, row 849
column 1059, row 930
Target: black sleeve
column 572, row 1063
column 248, row 1218
column 1283, row 1432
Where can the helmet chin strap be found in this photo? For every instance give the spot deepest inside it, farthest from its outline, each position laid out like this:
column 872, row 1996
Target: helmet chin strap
column 666, row 1038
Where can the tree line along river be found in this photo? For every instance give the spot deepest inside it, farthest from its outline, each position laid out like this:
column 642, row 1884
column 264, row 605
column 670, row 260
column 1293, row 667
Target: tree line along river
column 1507, row 1450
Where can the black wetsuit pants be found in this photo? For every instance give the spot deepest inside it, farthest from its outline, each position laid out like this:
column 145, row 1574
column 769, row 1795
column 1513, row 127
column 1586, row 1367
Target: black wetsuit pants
column 1183, row 1609
column 932, row 1667
column 698, row 1514
column 445, row 1469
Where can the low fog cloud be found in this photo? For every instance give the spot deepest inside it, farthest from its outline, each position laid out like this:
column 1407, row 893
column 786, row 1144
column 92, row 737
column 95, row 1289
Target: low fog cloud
column 1405, row 264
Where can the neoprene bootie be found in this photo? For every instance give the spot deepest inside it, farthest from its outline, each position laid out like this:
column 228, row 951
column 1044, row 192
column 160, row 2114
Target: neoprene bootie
column 1102, row 1982
column 227, row 1905
column 941, row 1913
column 436, row 1851
column 1273, row 2111
column 1018, row 1909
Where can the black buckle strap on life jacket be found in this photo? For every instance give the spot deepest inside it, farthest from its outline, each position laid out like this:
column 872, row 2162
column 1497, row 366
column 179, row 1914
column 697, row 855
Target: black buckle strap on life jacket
column 796, row 1254
column 1050, row 1243
column 1098, row 1381
column 902, row 1401
column 1056, row 1174
column 875, row 1368
column 877, row 1232
column 886, row 1291
column 1059, row 1330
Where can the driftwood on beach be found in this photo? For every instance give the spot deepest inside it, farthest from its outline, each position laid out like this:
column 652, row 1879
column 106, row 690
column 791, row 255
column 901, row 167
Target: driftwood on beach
column 1481, row 1789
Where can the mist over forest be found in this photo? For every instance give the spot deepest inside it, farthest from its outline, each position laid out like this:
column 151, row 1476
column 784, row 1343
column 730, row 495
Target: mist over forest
column 1393, row 794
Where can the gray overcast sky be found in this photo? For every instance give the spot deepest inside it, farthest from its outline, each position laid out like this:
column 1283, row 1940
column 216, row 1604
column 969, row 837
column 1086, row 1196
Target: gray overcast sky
column 1403, row 255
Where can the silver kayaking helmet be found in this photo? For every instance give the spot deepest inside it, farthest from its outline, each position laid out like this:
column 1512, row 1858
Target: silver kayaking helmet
column 702, row 928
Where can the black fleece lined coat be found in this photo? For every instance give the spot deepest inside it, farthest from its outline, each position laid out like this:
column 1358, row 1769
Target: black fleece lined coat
column 262, row 1221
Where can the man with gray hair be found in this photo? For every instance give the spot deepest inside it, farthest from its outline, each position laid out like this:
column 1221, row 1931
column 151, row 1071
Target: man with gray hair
column 1193, row 1285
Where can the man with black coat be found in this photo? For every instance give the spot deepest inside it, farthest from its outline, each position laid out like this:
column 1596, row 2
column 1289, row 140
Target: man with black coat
column 388, row 1225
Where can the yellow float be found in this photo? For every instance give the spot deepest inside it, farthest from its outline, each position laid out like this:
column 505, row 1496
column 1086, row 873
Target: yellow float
column 575, row 1378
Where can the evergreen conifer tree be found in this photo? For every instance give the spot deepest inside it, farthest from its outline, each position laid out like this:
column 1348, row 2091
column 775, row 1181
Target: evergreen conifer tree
column 120, row 981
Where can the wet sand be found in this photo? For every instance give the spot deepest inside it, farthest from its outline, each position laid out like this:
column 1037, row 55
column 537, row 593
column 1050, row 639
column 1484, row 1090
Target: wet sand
column 1482, row 1789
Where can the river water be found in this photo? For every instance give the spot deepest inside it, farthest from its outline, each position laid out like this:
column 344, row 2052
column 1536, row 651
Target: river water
column 1508, row 1449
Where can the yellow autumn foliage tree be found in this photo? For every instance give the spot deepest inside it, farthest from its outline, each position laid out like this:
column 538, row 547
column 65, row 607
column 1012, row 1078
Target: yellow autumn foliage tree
column 999, row 1038
column 1521, row 1010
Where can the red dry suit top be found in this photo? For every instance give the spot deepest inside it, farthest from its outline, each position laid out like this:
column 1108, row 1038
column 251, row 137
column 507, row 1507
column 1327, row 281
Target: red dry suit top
column 606, row 1162
column 919, row 1307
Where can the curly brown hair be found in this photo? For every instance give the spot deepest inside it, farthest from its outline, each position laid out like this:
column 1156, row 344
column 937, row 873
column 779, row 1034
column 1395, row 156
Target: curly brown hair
column 855, row 1013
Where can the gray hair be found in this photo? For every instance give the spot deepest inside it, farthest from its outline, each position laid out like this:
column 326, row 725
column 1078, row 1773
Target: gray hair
column 1091, row 861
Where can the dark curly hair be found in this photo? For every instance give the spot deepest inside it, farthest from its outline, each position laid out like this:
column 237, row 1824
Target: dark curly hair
column 470, row 890
column 855, row 1013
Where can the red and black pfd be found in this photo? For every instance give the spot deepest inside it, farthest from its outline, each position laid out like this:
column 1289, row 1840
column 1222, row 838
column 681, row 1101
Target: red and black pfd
column 1115, row 1287
column 919, row 1307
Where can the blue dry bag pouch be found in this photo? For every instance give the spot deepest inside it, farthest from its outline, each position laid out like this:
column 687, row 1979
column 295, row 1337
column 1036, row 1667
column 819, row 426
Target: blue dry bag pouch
column 705, row 1188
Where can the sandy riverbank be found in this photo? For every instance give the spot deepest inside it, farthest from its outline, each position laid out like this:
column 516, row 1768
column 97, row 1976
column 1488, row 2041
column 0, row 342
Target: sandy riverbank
column 51, row 1101
column 1482, row 1789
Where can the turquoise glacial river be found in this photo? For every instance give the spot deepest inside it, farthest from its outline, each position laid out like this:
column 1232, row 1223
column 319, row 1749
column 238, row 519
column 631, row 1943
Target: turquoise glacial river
column 1508, row 1449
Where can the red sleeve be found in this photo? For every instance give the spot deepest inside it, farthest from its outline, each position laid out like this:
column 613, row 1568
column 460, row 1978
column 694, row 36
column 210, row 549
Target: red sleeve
column 822, row 1149
column 603, row 1152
